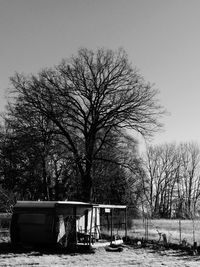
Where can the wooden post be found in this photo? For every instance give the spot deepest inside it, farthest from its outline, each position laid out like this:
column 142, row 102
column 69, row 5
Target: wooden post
column 193, row 230
column 95, row 223
column 126, row 224
column 180, row 230
column 75, row 237
column 86, row 221
column 91, row 227
column 195, row 248
column 111, row 225
column 147, row 229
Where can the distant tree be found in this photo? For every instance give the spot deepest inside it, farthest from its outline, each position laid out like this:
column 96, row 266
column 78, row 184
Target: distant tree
column 189, row 179
column 161, row 164
column 87, row 98
column 172, row 183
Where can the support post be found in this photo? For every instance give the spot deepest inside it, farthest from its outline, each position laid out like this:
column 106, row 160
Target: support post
column 91, row 227
column 111, row 225
column 147, row 228
column 180, row 238
column 75, row 234
column 126, row 224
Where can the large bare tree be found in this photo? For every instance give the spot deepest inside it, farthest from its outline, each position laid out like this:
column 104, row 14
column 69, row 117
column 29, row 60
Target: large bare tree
column 88, row 97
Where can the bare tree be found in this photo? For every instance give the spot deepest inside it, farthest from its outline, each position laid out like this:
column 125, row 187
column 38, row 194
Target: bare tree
column 189, row 177
column 87, row 97
column 161, row 168
column 173, row 184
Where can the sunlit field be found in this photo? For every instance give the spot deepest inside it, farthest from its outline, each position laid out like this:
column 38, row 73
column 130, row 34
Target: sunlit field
column 175, row 230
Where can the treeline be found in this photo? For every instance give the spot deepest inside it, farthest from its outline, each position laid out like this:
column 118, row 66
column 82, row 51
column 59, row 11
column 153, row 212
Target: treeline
column 172, row 182
column 64, row 133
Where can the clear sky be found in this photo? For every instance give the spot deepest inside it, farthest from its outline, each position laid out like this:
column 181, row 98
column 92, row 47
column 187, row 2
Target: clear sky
column 161, row 37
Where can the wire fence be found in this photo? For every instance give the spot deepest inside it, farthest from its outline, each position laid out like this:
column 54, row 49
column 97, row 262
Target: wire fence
column 165, row 230
column 175, row 231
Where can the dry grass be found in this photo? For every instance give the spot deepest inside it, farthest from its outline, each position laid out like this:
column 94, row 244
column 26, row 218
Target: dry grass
column 174, row 230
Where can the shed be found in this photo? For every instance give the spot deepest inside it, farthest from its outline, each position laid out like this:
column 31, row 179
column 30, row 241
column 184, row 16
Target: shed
column 58, row 222
column 47, row 222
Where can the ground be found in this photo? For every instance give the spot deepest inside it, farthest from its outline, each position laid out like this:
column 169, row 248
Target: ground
column 130, row 256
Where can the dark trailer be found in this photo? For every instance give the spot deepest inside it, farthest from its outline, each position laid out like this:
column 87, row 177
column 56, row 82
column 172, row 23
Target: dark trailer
column 48, row 222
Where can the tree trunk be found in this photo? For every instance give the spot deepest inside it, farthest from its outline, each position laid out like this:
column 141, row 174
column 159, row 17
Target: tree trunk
column 45, row 182
column 87, row 188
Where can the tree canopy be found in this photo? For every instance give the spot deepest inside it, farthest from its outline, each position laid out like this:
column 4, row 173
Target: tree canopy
column 87, row 99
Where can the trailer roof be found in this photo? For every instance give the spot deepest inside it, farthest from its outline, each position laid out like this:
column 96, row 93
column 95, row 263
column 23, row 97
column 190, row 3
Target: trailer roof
column 51, row 204
column 111, row 206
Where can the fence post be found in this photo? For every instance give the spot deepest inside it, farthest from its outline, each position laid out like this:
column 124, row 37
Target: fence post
column 111, row 225
column 126, row 224
column 193, row 230
column 180, row 231
column 147, row 229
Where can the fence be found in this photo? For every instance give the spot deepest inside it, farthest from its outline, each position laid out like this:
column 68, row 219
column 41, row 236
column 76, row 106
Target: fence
column 163, row 230
column 113, row 223
column 174, row 231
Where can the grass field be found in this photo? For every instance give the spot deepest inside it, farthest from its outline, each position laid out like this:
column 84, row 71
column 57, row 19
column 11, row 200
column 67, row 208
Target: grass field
column 175, row 230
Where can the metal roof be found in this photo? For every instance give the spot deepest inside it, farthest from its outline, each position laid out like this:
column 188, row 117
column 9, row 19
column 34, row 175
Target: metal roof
column 51, row 204
column 107, row 206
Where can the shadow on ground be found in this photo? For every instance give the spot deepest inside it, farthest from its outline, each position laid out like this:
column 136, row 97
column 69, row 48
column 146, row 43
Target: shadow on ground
column 7, row 247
